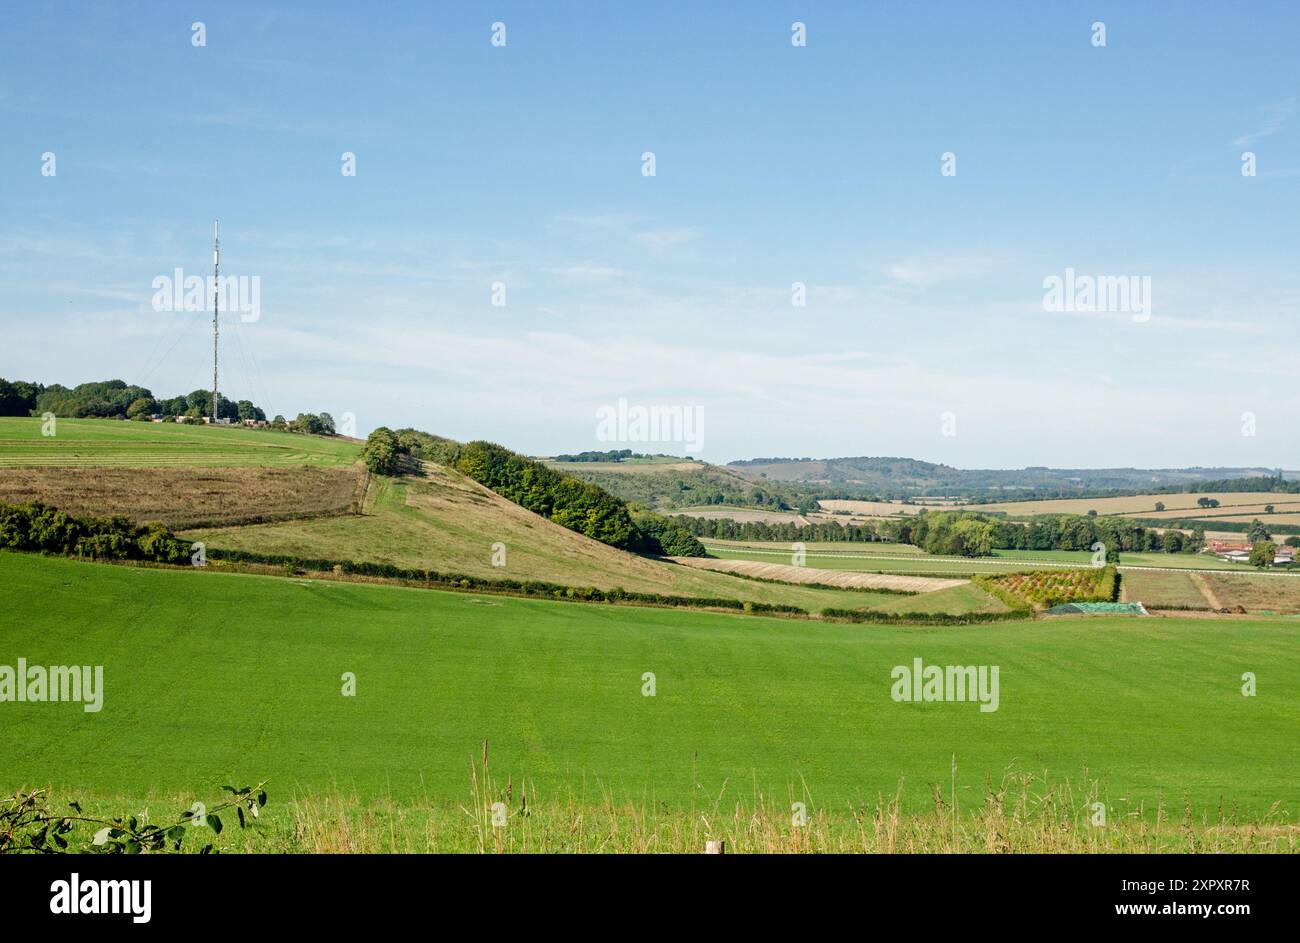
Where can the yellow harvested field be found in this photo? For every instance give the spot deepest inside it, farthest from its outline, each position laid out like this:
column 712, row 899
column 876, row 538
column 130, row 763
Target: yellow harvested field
column 1264, row 592
column 874, row 508
column 1278, row 518
column 721, row 513
column 848, row 579
column 1143, row 505
column 1235, row 512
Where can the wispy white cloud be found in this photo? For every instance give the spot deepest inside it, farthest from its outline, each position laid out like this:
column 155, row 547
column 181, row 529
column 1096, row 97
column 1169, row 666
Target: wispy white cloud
column 660, row 239
column 586, row 274
column 603, row 227
column 1275, row 119
column 919, row 272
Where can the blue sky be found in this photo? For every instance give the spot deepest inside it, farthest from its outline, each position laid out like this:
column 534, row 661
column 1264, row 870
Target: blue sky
column 774, row 164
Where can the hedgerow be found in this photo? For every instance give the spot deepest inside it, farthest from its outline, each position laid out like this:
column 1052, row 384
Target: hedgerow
column 924, row 618
column 40, row 528
column 519, row 587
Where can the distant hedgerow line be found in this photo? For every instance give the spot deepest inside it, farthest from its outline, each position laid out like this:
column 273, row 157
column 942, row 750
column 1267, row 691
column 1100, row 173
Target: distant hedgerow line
column 535, row 588
column 924, row 618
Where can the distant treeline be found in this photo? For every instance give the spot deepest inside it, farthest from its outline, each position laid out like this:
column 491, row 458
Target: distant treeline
column 1272, row 483
column 40, row 528
column 966, row 534
column 972, row 534
column 1251, row 528
column 117, row 399
column 570, row 502
column 614, row 456
column 1257, row 484
column 114, row 399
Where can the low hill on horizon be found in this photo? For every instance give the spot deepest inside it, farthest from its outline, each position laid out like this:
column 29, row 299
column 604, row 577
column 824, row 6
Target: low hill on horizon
column 894, row 477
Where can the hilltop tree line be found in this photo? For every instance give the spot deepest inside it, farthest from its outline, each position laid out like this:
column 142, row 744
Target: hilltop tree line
column 117, row 399
column 971, row 534
column 1260, row 483
column 662, row 486
column 614, row 455
column 570, row 502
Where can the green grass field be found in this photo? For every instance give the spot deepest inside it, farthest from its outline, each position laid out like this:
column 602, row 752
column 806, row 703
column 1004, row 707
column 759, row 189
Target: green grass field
column 101, row 442
column 213, row 678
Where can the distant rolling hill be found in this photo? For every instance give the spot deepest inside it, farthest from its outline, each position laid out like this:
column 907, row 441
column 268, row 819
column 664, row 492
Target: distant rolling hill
column 665, row 486
column 790, row 484
column 907, row 477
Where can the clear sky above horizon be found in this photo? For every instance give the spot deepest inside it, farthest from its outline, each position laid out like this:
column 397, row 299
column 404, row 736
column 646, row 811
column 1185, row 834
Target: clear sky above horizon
column 774, row 164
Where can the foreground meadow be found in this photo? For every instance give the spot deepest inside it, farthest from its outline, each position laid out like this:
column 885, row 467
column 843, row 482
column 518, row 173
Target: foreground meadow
column 224, row 678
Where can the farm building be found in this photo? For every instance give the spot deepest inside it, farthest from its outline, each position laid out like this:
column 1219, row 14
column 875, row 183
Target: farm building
column 1284, row 556
column 1222, row 547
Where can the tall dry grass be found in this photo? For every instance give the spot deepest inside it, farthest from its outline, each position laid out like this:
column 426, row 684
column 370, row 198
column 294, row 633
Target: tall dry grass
column 1024, row 813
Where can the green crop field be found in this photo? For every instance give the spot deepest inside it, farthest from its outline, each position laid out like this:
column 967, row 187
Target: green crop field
column 102, row 442
column 213, row 678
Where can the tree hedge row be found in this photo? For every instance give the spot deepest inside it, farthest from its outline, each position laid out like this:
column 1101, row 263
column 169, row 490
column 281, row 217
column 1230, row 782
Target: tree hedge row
column 924, row 618
column 519, row 587
column 39, row 528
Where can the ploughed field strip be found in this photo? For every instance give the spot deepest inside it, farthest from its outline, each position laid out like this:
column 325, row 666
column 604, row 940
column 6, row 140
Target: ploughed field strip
column 803, row 574
column 188, row 497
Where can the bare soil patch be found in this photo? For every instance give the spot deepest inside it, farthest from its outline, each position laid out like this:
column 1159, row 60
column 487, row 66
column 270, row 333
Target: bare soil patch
column 189, row 497
column 848, row 579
